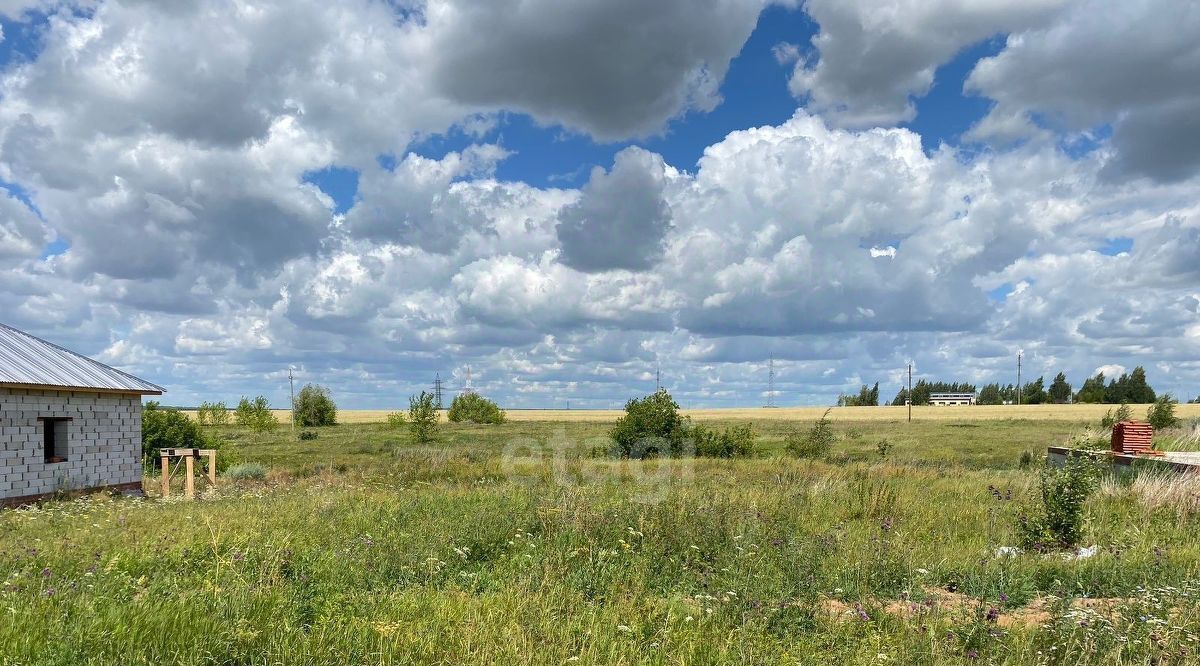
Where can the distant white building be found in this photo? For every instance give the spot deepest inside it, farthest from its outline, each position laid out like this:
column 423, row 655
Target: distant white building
column 948, row 399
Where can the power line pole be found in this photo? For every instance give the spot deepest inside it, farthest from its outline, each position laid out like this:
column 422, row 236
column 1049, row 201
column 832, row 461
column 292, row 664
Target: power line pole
column 292, row 392
column 657, row 379
column 437, row 389
column 1019, row 352
column 910, row 395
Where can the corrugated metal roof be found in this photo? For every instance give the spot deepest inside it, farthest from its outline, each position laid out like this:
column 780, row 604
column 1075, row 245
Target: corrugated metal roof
column 31, row 361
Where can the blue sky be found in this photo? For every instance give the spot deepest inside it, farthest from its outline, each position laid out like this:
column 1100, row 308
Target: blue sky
column 516, row 187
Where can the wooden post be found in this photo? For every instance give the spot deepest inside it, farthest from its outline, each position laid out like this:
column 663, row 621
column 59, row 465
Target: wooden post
column 190, row 487
column 166, row 477
column 212, row 466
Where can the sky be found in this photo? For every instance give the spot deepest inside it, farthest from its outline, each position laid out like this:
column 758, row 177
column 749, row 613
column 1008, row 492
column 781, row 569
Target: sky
column 562, row 197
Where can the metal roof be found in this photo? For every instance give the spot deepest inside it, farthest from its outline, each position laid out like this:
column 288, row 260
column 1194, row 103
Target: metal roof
column 26, row 360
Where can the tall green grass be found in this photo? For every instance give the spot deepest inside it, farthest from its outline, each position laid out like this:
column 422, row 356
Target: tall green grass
column 456, row 552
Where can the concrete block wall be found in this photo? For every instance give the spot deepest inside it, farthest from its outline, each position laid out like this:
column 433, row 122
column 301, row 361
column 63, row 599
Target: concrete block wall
column 103, row 447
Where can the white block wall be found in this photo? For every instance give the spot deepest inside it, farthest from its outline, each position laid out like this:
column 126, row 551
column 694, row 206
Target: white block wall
column 103, row 448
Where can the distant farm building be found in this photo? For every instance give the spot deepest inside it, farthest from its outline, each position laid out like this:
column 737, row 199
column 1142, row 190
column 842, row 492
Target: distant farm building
column 951, row 398
column 66, row 422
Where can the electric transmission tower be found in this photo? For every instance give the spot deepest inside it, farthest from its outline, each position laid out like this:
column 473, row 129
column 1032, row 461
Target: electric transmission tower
column 770, row 383
column 437, row 389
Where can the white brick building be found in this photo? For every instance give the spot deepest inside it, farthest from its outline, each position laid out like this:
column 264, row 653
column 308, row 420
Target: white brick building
column 66, row 422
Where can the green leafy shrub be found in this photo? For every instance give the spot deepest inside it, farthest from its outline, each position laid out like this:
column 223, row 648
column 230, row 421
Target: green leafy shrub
column 651, row 426
column 212, row 414
column 314, row 407
column 470, row 407
column 883, row 448
column 308, row 434
column 816, row 443
column 1124, row 413
column 1058, row 520
column 256, row 415
column 396, row 420
column 735, row 442
column 165, row 428
column 249, row 471
column 1026, row 459
column 422, row 417
column 1161, row 414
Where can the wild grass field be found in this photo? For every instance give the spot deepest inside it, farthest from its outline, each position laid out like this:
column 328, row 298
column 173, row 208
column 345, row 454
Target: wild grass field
column 523, row 543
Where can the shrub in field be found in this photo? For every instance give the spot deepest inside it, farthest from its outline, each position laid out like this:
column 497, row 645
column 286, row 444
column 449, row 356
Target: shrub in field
column 314, row 407
column 883, row 447
column 1058, row 520
column 816, row 443
column 212, row 413
column 422, row 417
column 1124, row 413
column 247, row 471
column 308, row 434
column 651, row 426
column 470, row 407
column 1026, row 459
column 164, row 428
column 735, row 442
column 396, row 420
column 256, row 415
column 1162, row 413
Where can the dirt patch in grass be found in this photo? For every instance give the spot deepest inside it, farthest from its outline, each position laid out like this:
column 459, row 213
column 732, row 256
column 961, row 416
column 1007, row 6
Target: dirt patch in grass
column 957, row 605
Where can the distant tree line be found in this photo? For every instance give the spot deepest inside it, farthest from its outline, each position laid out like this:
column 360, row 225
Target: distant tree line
column 867, row 397
column 1130, row 387
column 923, row 389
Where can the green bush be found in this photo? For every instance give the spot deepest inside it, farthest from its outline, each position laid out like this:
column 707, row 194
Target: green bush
column 651, row 427
column 212, row 413
column 735, row 442
column 307, row 435
column 1058, row 520
column 247, row 471
column 256, row 415
column 816, row 443
column 883, row 447
column 1124, row 413
column 164, row 428
column 422, row 417
column 396, row 420
column 314, row 407
column 1162, row 413
column 470, row 407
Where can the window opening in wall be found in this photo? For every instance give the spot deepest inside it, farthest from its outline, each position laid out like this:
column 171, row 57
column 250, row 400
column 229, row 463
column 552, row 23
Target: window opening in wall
column 54, row 439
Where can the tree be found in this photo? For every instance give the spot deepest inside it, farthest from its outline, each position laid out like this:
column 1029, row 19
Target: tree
column 256, row 415
column 1034, row 392
column 164, row 428
column 474, row 408
column 1092, row 391
column 314, row 407
column 422, row 417
column 990, row 395
column 651, row 426
column 212, row 413
column 1162, row 413
column 1060, row 390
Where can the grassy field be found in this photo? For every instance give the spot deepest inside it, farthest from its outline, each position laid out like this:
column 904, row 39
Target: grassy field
column 524, row 544
column 977, row 413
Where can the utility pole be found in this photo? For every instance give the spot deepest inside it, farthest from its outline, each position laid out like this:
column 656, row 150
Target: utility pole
column 437, row 389
column 910, row 395
column 1019, row 352
column 657, row 379
column 292, row 392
